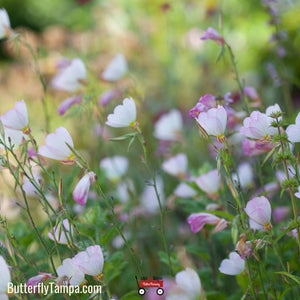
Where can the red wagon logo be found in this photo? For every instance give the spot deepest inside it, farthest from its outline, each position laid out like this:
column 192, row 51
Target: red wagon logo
column 151, row 282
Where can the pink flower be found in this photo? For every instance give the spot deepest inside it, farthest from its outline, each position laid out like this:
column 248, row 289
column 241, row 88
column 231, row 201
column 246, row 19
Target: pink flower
column 198, row 220
column 124, row 115
column 17, row 118
column 56, row 146
column 204, row 104
column 90, row 261
column 80, row 193
column 34, row 281
column 12, row 138
column 252, row 148
column 71, row 77
column 259, row 210
column 176, row 165
column 293, row 131
column 233, row 266
column 60, row 236
column 250, row 92
column 280, row 213
column 65, row 105
column 4, row 24
column 212, row 34
column 272, row 109
column 214, row 121
column 209, row 182
column 68, row 269
column 107, row 96
column 5, row 277
column 258, row 126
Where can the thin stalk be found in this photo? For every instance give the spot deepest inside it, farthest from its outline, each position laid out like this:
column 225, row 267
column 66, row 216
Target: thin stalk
column 251, row 280
column 162, row 211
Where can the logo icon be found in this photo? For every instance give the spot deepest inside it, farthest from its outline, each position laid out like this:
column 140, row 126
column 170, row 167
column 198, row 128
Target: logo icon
column 150, row 282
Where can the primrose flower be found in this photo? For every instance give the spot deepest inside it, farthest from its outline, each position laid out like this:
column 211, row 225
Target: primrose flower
column 297, row 194
column 60, row 236
column 4, row 278
column 116, row 69
column 17, row 118
column 251, row 92
column 35, row 280
column 71, row 77
column 253, row 148
column 56, row 146
column 258, row 126
column 80, row 193
column 214, row 121
column 198, row 220
column 209, row 182
column 272, row 110
column 12, row 138
column 176, row 165
column 4, row 24
column 293, row 131
column 124, row 115
column 183, row 190
column 212, row 34
column 169, row 126
column 259, row 210
column 114, row 167
column 69, row 273
column 90, row 261
column 65, row 105
column 204, row 104
column 245, row 175
column 233, row 266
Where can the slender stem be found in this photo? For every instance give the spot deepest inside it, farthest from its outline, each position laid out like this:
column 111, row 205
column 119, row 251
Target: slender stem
column 162, row 211
column 250, row 276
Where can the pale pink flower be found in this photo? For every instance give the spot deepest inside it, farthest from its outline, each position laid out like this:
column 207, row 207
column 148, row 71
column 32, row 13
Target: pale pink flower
column 280, row 213
column 253, row 148
column 273, row 109
column 27, row 186
column 297, row 194
column 213, row 121
column 114, row 167
column 259, row 210
column 107, row 96
column 17, row 118
column 62, row 236
column 12, row 138
column 183, row 190
column 198, row 220
column 4, row 277
column 176, row 165
column 71, row 77
column 255, row 226
column 258, row 126
column 233, row 266
column 189, row 282
column 116, row 69
column 245, row 173
column 209, row 182
column 204, row 104
column 80, row 193
column 56, row 146
column 65, row 105
column 124, row 115
column 169, row 126
column 35, row 280
column 293, row 131
column 68, row 269
column 90, row 261
column 4, row 24
column 212, row 34
column 251, row 92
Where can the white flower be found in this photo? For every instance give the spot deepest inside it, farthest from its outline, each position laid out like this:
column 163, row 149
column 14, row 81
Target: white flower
column 70, row 78
column 272, row 110
column 176, row 165
column 116, row 69
column 124, row 115
column 71, row 271
column 4, row 277
column 245, row 174
column 114, row 167
column 4, row 24
column 209, row 182
column 293, row 131
column 56, row 146
column 297, row 194
column 12, row 137
column 183, row 190
column 60, row 236
column 233, row 266
column 169, row 126
column 80, row 193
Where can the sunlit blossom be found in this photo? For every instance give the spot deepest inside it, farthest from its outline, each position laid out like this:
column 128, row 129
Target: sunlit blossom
column 209, row 182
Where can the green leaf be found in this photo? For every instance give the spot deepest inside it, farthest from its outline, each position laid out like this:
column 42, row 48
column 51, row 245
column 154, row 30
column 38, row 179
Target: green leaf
column 293, row 277
column 131, row 296
column 220, row 214
column 123, row 137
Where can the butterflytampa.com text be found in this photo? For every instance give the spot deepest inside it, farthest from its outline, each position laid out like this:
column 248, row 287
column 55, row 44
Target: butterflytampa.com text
column 52, row 288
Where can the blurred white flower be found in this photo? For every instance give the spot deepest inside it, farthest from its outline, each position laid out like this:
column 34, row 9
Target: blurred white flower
column 124, row 115
column 12, row 137
column 245, row 174
column 273, row 109
column 169, row 126
column 209, row 182
column 183, row 190
column 69, row 273
column 60, row 236
column 4, row 23
column 293, row 131
column 233, row 266
column 4, row 278
column 116, row 69
column 176, row 165
column 71, row 77
column 114, row 167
